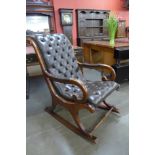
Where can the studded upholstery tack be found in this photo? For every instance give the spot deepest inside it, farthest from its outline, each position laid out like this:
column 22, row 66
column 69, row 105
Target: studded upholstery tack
column 61, row 62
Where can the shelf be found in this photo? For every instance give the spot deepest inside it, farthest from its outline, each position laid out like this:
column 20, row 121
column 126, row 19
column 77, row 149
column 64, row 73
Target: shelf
column 94, row 19
column 91, row 26
column 95, row 36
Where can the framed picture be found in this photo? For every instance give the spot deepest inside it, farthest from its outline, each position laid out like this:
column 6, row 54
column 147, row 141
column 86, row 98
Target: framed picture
column 66, row 18
column 121, row 31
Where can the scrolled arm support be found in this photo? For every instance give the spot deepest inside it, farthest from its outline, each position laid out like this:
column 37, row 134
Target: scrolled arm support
column 100, row 67
column 74, row 82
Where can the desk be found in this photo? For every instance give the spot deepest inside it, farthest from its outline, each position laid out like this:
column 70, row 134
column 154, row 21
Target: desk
column 101, row 51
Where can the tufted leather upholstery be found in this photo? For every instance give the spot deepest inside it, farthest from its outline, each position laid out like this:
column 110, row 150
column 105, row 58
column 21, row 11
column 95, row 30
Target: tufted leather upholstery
column 97, row 90
column 60, row 61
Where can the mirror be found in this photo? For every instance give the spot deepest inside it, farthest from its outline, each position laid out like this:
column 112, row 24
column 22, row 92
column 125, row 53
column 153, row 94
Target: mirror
column 37, row 24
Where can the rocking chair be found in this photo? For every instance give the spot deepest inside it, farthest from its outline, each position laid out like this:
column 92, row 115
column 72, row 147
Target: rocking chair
column 67, row 85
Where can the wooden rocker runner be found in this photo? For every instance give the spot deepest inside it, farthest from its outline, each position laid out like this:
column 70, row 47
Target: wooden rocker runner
column 67, row 85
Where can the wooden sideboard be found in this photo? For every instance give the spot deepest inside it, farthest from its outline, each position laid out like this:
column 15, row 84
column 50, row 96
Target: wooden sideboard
column 91, row 25
column 101, row 51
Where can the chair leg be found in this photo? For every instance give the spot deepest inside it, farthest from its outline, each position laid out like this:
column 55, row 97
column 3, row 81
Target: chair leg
column 106, row 106
column 53, row 105
column 74, row 111
column 76, row 118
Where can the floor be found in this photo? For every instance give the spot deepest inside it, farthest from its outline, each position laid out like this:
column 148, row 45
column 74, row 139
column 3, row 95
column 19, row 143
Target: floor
column 46, row 136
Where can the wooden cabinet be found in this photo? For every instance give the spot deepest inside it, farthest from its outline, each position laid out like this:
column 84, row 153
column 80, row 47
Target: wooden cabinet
column 91, row 25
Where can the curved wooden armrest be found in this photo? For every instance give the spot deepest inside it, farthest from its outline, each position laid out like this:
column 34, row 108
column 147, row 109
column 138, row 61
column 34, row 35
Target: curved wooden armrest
column 74, row 82
column 100, row 67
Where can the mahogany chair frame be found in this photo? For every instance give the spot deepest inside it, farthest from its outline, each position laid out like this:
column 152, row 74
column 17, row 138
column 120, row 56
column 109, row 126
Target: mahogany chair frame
column 77, row 105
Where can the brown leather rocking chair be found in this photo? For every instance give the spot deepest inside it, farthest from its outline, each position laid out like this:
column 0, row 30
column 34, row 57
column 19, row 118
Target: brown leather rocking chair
column 68, row 87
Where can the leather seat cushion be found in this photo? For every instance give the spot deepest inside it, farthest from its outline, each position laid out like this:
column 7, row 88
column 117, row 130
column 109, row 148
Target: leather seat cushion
column 97, row 90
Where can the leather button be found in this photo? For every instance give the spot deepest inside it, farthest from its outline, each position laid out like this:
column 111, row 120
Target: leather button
column 98, row 93
column 48, row 52
column 43, row 40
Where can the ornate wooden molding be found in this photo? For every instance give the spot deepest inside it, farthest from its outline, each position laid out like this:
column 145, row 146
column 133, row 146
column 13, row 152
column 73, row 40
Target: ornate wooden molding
column 39, row 7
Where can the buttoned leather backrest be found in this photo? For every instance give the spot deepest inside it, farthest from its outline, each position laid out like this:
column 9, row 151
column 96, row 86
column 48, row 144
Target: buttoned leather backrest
column 58, row 55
